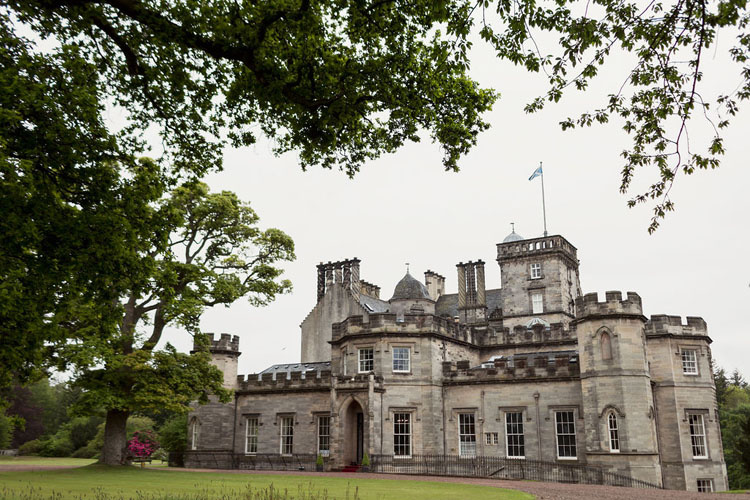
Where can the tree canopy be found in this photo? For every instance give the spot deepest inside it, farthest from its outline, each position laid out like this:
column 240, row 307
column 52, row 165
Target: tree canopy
column 206, row 250
column 339, row 82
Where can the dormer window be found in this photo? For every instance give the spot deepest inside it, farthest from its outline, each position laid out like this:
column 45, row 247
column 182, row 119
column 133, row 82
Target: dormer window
column 536, row 271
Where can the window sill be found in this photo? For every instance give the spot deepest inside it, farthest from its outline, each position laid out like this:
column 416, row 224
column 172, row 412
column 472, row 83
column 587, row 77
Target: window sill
column 567, row 458
column 401, row 457
column 516, row 458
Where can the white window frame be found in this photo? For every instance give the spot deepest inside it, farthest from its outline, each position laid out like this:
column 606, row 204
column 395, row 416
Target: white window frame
column 697, row 430
column 705, row 485
column 491, row 438
column 402, row 440
column 535, row 270
column 252, row 427
column 344, row 353
column 514, row 432
column 467, row 442
column 286, row 435
column 360, row 361
column 613, row 432
column 399, row 360
column 535, row 303
column 194, row 434
column 689, row 366
column 324, row 435
column 565, row 426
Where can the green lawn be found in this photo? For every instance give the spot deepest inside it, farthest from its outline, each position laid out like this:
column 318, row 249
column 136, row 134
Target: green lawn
column 98, row 482
column 46, row 461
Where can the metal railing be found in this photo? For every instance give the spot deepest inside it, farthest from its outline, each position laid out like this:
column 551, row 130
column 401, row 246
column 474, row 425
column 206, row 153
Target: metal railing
column 221, row 459
column 502, row 468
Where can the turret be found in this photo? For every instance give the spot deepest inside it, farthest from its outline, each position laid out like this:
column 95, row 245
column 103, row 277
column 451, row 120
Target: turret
column 539, row 279
column 617, row 396
column 224, row 353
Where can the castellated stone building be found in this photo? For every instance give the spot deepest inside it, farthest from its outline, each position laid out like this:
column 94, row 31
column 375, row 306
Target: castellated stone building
column 534, row 370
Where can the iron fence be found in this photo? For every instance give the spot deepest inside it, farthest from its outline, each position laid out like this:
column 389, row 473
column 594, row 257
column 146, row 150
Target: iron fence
column 502, row 468
column 221, row 459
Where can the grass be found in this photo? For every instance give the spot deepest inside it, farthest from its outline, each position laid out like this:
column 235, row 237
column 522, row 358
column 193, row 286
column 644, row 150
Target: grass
column 97, row 482
column 79, row 462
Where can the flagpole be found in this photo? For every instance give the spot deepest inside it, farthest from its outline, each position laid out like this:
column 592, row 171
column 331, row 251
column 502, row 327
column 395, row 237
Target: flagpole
column 544, row 208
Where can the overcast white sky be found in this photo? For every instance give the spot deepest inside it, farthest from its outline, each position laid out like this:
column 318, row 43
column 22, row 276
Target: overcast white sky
column 405, row 208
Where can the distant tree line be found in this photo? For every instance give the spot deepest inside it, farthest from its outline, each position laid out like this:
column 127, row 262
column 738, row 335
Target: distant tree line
column 733, row 396
column 40, row 420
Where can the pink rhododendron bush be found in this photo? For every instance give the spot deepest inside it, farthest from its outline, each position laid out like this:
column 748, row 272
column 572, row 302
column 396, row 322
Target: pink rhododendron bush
column 143, row 444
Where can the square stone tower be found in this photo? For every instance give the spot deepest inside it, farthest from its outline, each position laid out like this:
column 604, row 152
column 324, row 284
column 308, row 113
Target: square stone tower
column 539, row 280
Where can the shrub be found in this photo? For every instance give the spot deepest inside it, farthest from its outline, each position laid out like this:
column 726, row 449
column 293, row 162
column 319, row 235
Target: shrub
column 33, row 447
column 143, row 444
column 173, row 434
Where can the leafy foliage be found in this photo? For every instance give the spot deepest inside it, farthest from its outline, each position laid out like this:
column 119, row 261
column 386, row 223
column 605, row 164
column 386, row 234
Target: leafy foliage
column 734, row 415
column 660, row 94
column 143, row 444
column 173, row 434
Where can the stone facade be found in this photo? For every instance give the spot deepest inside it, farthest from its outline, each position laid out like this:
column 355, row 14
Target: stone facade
column 534, row 370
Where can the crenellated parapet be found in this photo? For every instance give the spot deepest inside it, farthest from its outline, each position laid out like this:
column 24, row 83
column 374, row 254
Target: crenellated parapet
column 663, row 324
column 224, row 344
column 536, row 334
column 613, row 305
column 519, row 368
column 285, row 381
column 388, row 323
column 537, row 247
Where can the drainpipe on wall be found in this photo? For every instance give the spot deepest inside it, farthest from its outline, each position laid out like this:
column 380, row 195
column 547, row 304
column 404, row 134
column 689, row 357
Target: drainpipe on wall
column 234, row 426
column 445, row 448
column 538, row 427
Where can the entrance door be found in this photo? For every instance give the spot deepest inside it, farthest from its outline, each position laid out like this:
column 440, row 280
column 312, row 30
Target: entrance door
column 360, row 436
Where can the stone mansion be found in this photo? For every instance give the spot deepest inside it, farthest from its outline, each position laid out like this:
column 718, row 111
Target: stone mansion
column 534, row 370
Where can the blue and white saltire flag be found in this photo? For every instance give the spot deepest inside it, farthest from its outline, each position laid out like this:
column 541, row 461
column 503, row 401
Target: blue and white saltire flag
column 536, row 173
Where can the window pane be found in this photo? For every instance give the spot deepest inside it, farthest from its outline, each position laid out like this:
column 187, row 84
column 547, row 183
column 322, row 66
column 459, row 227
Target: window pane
column 324, row 436
column 366, row 360
column 537, row 306
column 402, row 434
column 514, row 435
column 287, row 435
column 614, row 433
column 566, row 434
column 401, row 359
column 251, row 435
column 467, row 438
column 697, row 435
column 689, row 362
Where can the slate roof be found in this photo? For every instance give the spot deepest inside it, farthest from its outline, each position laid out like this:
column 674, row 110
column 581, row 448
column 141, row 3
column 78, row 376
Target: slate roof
column 373, row 305
column 298, row 367
column 447, row 305
column 410, row 288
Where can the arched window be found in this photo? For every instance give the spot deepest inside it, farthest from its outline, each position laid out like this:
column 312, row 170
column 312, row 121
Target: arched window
column 194, row 434
column 614, row 433
column 606, row 344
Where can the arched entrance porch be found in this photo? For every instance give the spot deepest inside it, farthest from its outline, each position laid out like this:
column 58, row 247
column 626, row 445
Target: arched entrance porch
column 353, row 442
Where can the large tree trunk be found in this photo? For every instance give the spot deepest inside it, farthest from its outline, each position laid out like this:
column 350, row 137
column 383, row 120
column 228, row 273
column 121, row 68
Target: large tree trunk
column 115, row 437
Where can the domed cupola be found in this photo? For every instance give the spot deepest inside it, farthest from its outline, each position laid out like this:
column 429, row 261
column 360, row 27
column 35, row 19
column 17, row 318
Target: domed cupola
column 513, row 236
column 410, row 288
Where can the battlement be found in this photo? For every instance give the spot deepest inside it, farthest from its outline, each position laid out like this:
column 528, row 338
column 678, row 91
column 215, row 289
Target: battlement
column 291, row 380
column 225, row 344
column 536, row 246
column 388, row 323
column 661, row 324
column 614, row 304
column 520, row 367
column 537, row 334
